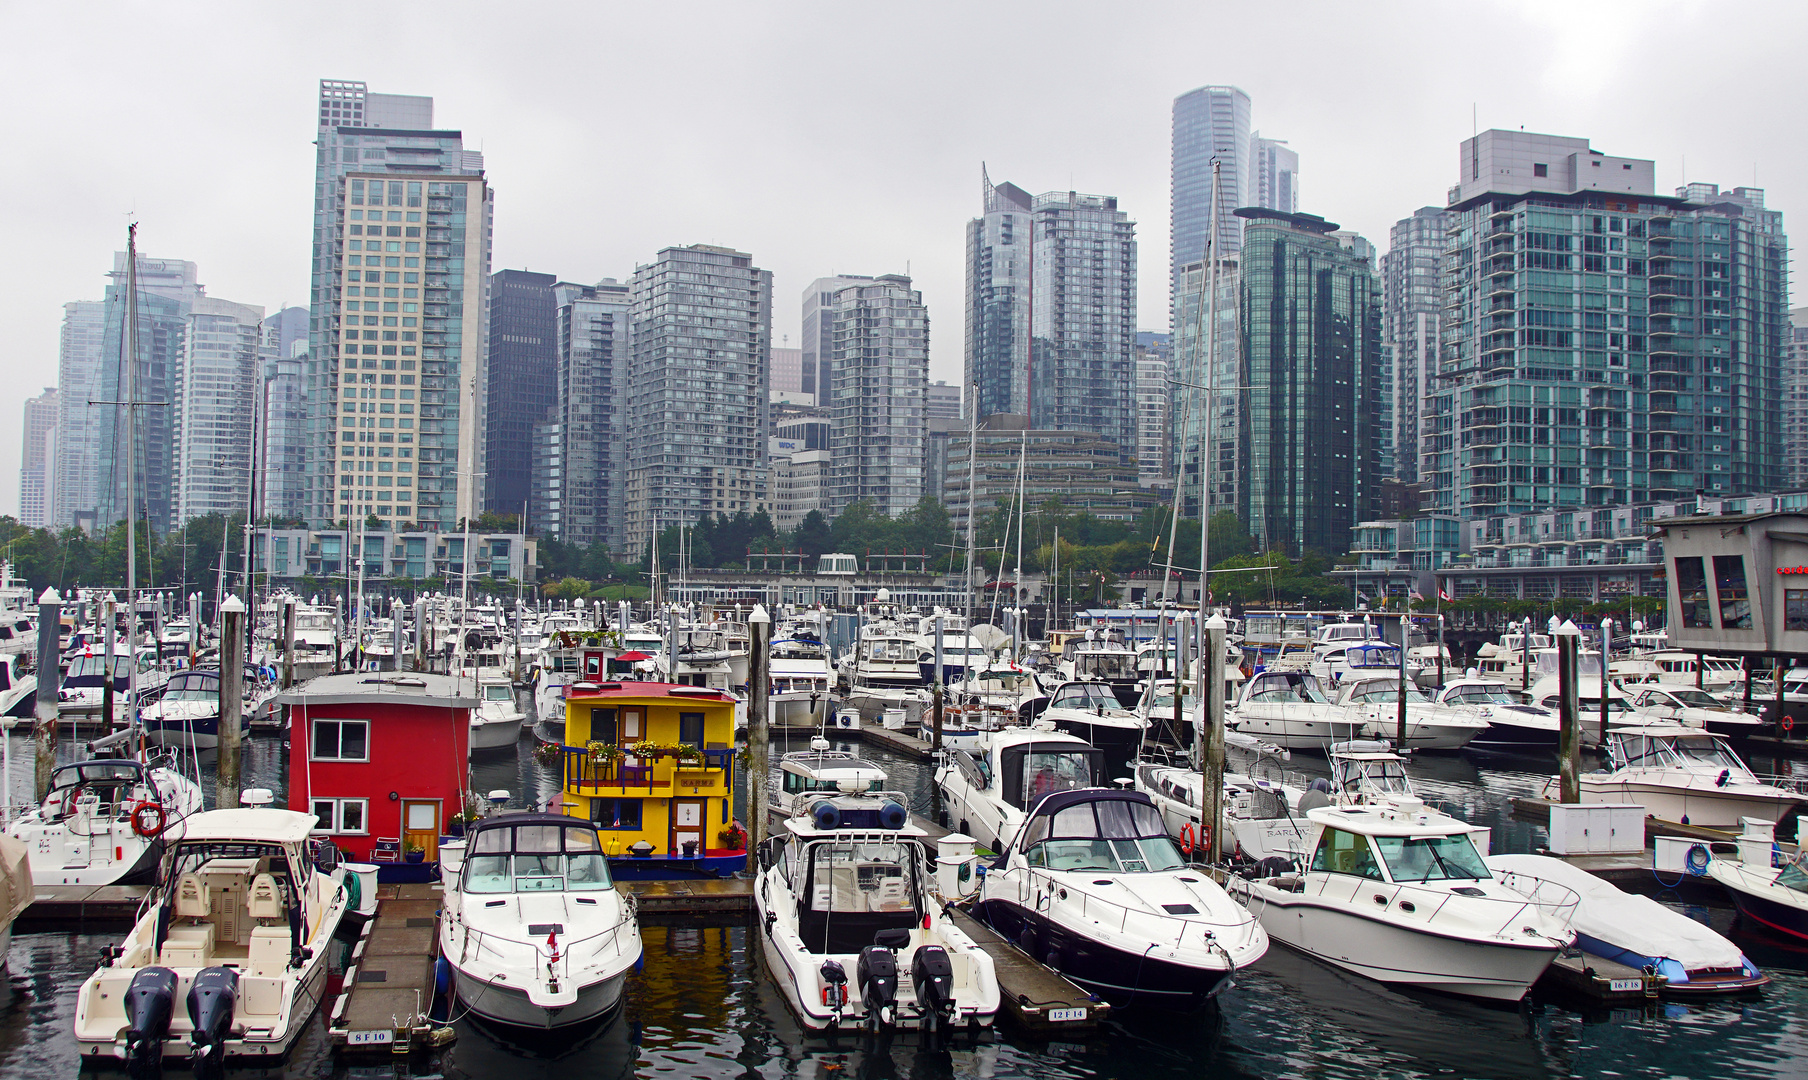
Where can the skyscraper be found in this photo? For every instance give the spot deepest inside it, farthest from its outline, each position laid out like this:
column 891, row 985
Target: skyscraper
column 999, row 260
column 523, row 362
column 1083, row 318
column 880, row 361
column 1412, row 307
column 417, row 304
column 788, row 372
column 1602, row 344
column 283, row 433
column 37, row 460
column 1310, row 326
column 944, row 401
column 1274, row 174
column 1154, row 398
column 1210, row 122
column 214, row 397
column 1795, row 401
column 77, row 465
column 582, row 492
column 1187, row 406
column 816, row 374
column 698, row 388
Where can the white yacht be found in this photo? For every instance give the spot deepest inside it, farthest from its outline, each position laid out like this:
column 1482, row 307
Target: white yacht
column 1101, row 656
column 186, row 716
column 1371, row 704
column 1260, row 810
column 1514, row 724
column 1333, row 664
column 1400, row 893
column 537, row 934
column 1090, row 711
column 1685, row 775
column 803, row 774
column 1092, row 886
column 850, row 930
column 801, row 680
column 496, row 722
column 316, row 641
column 1677, row 668
column 240, row 925
column 105, row 821
column 1689, row 707
column 988, row 790
column 1289, row 709
column 18, row 687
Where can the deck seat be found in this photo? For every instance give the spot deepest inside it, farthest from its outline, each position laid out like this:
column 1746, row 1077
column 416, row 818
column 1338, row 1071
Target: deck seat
column 269, row 951
column 188, row 946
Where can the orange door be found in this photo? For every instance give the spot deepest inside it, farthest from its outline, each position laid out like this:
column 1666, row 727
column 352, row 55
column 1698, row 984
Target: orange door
column 420, row 826
column 687, row 826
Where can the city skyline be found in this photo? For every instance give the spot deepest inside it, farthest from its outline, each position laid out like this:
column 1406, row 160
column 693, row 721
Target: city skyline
column 792, row 215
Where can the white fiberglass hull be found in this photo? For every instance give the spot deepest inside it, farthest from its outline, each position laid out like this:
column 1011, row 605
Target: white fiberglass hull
column 1298, row 731
column 495, row 734
column 799, row 710
column 1339, row 934
column 1698, row 803
column 509, row 1004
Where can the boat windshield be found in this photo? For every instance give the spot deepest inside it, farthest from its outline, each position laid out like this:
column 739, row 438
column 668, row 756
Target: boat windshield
column 1112, row 835
column 531, row 858
column 1084, row 696
column 1431, row 858
column 1384, row 694
column 1299, row 688
column 1696, row 699
column 1794, row 876
column 193, row 686
column 498, row 692
column 868, row 877
column 1484, row 695
column 1048, row 771
column 1105, row 665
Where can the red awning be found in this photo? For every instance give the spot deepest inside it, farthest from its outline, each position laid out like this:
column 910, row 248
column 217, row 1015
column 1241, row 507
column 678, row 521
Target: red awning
column 633, row 656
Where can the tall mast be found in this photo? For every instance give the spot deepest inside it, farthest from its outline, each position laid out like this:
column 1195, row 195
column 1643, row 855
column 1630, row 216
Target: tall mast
column 972, row 490
column 1205, row 434
column 131, row 403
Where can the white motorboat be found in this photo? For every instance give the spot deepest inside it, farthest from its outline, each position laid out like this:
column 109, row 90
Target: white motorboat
column 496, row 722
column 1514, row 724
column 1689, row 707
column 18, row 687
column 1773, row 897
column 1685, row 775
column 801, row 679
column 803, row 774
column 885, row 659
column 1337, row 663
column 1289, row 709
column 1090, row 711
column 239, row 925
column 187, row 714
column 1372, row 705
column 1634, row 930
column 81, row 694
column 1676, row 668
column 850, row 930
column 1260, row 813
column 537, row 934
column 105, row 821
column 1101, row 656
column 989, row 789
column 1093, row 886
column 1400, row 893
column 316, row 641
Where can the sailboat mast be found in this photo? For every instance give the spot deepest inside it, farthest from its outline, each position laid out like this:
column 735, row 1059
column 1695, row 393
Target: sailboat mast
column 1205, row 431
column 972, row 490
column 131, row 402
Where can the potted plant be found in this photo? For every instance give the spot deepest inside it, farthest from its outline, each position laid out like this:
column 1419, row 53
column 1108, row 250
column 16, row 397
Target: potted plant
column 734, row 838
column 416, row 853
column 548, row 754
column 688, row 754
column 602, row 753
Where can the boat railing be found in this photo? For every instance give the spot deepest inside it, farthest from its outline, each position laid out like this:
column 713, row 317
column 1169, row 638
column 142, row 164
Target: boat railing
column 474, row 939
column 581, row 768
column 1050, row 890
column 1549, row 898
column 1787, row 781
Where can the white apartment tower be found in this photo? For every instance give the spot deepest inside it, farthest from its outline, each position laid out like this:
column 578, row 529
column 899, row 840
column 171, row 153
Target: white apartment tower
column 878, row 395
column 37, row 460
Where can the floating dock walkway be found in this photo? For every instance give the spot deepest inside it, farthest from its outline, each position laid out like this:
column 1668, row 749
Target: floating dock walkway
column 1035, row 996
column 72, row 907
column 389, row 984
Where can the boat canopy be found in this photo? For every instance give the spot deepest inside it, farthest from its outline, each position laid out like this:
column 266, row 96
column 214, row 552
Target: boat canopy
column 522, row 853
column 1098, row 829
column 1031, row 771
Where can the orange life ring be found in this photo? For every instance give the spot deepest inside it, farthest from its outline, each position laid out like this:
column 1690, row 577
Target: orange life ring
column 147, row 819
column 1788, row 723
column 1187, row 839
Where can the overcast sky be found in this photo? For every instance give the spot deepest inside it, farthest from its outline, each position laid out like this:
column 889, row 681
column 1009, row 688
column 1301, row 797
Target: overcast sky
column 820, row 137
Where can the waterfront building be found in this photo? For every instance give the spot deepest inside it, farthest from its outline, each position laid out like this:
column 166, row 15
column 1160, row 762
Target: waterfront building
column 1083, row 318
column 283, row 483
column 1412, row 305
column 815, row 359
column 698, row 389
column 582, row 479
column 1085, row 470
column 1274, row 174
column 1795, row 401
column 1187, row 400
column 37, row 460
column 519, row 382
column 1602, row 345
column 1210, row 122
column 943, row 402
column 391, row 557
column 1309, row 346
column 999, row 261
column 400, row 274
column 1154, row 397
column 879, row 364
column 213, row 409
column 77, row 464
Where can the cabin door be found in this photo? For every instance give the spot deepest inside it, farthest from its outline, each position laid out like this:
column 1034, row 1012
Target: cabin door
column 420, row 826
column 687, row 826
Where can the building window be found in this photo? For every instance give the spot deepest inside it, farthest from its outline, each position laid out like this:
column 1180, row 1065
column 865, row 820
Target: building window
column 690, row 728
column 341, row 740
column 1692, row 593
column 621, row 814
column 342, row 816
column 1729, row 583
column 1795, row 609
column 1541, row 170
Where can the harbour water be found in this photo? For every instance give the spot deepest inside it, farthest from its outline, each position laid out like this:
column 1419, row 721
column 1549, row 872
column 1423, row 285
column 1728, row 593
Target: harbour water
column 701, row 1007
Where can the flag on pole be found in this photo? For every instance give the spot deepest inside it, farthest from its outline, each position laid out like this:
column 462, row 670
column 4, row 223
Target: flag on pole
column 1414, row 595
column 1444, row 596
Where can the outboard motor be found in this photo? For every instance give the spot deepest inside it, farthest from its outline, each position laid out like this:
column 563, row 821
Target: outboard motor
column 211, row 999
column 878, row 975
column 150, row 1002
column 932, row 977
column 834, row 990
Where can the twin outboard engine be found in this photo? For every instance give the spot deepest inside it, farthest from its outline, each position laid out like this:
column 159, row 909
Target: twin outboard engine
column 878, row 977
column 150, row 1002
column 211, row 999
column 932, row 978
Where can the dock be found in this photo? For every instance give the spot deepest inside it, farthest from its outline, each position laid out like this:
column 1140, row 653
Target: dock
column 897, row 741
column 1601, row 980
column 663, row 903
column 389, row 983
column 72, row 907
column 1033, row 995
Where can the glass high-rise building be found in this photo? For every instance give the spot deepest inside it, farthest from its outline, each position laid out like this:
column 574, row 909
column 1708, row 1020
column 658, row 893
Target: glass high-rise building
column 582, row 480
column 523, row 362
column 1309, row 350
column 1187, row 402
column 1210, row 122
column 77, row 465
column 999, row 261
column 1083, row 318
column 1274, row 179
column 878, row 397
column 1154, row 397
column 37, row 460
column 1412, row 292
column 816, row 357
column 402, row 220
column 1602, row 344
column 283, row 485
column 213, row 404
column 699, row 386
column 1795, row 401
